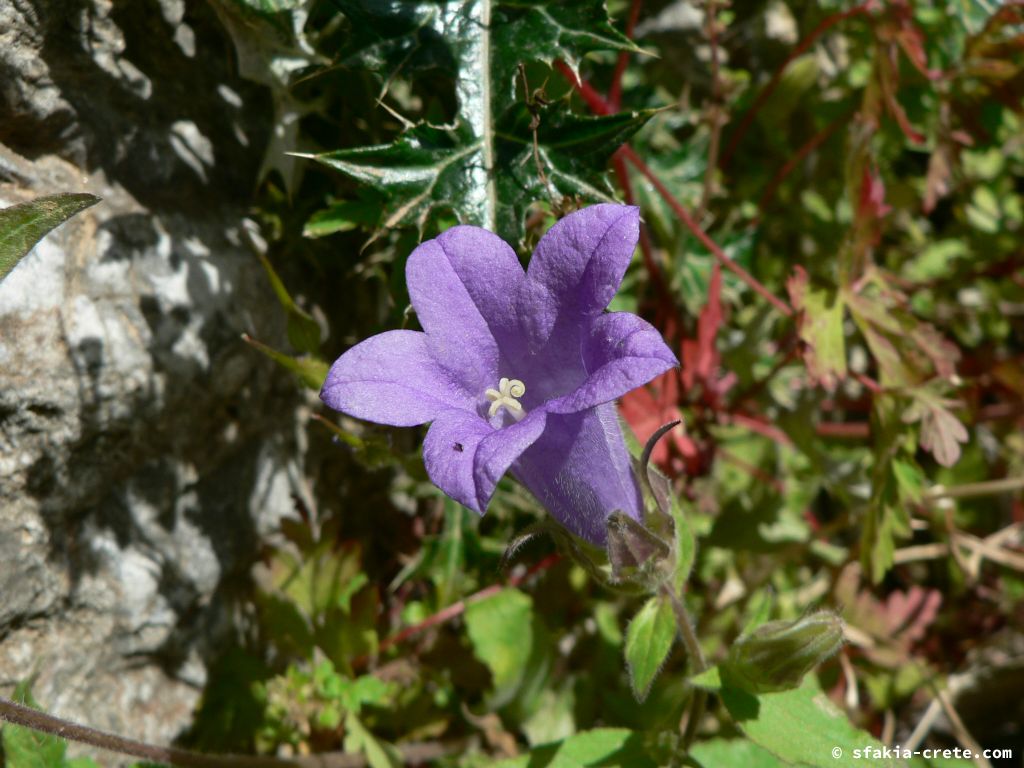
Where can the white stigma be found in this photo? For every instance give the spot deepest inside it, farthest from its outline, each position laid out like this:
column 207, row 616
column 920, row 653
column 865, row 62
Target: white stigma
column 505, row 397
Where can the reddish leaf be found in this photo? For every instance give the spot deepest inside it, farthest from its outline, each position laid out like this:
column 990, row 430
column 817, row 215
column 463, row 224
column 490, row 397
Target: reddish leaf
column 820, row 328
column 941, row 431
column 646, row 409
column 909, row 614
column 708, row 324
column 700, row 356
column 910, row 38
column 872, row 205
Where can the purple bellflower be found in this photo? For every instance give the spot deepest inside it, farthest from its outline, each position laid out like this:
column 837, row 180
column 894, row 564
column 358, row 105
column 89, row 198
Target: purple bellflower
column 517, row 371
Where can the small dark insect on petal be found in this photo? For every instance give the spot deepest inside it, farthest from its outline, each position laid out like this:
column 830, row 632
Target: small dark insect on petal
column 458, row 447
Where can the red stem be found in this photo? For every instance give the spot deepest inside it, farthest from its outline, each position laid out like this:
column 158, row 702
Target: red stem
column 844, row 430
column 646, row 248
column 599, row 105
column 615, row 92
column 870, row 384
column 801, row 47
column 456, row 609
column 761, row 427
column 701, row 235
column 815, row 141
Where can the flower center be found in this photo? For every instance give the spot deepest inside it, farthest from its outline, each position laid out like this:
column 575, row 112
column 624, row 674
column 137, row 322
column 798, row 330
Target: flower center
column 505, row 397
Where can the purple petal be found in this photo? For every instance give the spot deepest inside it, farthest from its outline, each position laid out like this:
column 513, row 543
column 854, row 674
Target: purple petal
column 392, row 379
column 466, row 457
column 463, row 286
column 580, row 471
column 621, row 353
column 578, row 266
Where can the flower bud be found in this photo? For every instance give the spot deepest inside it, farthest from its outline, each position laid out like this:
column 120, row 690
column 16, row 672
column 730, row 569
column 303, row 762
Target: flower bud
column 776, row 655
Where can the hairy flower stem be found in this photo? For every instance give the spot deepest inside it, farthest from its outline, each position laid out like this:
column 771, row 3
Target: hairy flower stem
column 695, row 712
column 25, row 716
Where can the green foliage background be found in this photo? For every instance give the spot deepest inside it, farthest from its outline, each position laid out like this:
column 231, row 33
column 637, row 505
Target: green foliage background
column 854, row 445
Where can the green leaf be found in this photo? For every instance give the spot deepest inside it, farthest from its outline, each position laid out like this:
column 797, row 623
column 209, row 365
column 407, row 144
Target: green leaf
column 342, row 216
column 554, row 719
column 802, row 727
column 483, row 167
column 25, row 748
column 24, row 225
column 378, row 753
column 303, row 331
column 451, row 554
column 907, row 351
column 648, row 642
column 498, row 628
column 894, row 488
column 759, row 609
column 507, row 637
column 732, row 753
column 710, row 679
column 311, row 371
column 820, row 327
column 599, row 747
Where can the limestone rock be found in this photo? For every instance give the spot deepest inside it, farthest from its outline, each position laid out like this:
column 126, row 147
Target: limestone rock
column 144, row 450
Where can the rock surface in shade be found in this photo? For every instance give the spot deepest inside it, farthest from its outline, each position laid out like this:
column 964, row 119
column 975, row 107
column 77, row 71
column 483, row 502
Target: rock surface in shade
column 144, row 450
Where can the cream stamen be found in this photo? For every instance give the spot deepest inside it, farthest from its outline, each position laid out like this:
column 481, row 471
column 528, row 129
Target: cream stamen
column 505, row 397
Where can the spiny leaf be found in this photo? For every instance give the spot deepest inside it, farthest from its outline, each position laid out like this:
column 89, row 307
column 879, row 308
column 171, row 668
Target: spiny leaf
column 272, row 48
column 572, row 154
column 426, row 169
column 396, row 40
column 24, row 225
column 432, row 169
column 483, row 167
column 649, row 639
column 555, row 30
